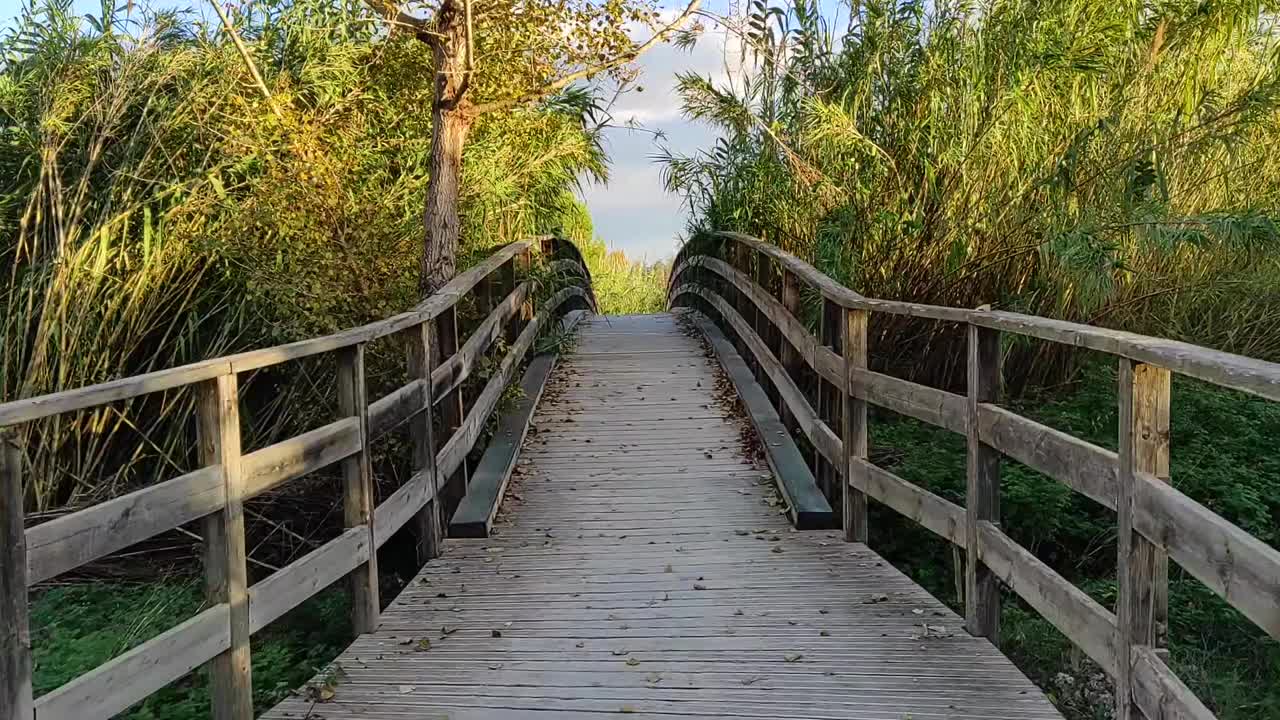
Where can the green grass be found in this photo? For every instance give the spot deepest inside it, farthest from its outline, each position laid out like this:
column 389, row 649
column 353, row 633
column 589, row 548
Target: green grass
column 1223, row 455
column 78, row 627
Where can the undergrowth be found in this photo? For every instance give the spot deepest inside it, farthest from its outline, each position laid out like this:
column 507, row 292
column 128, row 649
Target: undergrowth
column 76, row 628
column 1222, row 456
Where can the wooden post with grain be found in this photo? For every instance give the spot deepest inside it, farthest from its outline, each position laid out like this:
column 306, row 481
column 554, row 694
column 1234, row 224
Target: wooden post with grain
column 1142, row 603
column 15, row 633
column 854, row 512
column 792, row 363
column 427, row 524
column 357, row 487
column 982, row 495
column 225, row 559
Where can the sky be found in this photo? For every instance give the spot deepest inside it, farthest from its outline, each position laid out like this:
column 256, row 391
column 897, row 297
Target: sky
column 632, row 212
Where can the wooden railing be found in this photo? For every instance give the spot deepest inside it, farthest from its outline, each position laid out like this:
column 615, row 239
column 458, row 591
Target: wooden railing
column 215, row 493
column 754, row 289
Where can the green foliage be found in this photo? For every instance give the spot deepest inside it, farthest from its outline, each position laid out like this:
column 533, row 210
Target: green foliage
column 158, row 210
column 1102, row 162
column 622, row 286
column 1221, row 457
column 76, row 628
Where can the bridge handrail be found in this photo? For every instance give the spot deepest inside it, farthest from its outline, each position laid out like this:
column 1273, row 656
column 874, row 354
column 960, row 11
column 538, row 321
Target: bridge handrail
column 754, row 289
column 215, row 493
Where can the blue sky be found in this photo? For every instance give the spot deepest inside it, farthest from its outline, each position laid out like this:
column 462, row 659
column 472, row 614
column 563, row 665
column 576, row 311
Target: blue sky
column 632, row 213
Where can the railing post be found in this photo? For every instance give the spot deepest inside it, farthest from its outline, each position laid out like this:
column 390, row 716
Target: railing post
column 225, row 560
column 427, row 523
column 357, row 487
column 1142, row 603
column 15, row 632
column 445, row 343
column 765, row 326
column 831, row 323
column 791, row 361
column 855, row 426
column 982, row 496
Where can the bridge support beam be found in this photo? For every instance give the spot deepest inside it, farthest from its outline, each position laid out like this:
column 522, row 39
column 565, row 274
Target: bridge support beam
column 982, row 496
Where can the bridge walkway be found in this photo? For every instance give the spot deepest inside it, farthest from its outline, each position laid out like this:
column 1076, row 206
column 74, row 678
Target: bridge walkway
column 642, row 566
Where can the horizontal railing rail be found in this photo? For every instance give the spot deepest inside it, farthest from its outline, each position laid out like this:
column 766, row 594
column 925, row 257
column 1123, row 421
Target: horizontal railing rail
column 754, row 289
column 215, row 493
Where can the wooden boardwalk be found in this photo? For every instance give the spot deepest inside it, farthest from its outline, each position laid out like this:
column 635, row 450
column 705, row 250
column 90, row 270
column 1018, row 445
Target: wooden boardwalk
column 640, row 568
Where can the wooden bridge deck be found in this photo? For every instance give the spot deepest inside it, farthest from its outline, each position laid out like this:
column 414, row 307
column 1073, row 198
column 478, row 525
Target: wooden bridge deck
column 640, row 569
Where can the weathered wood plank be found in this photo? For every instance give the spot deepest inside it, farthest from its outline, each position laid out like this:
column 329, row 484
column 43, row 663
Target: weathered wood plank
column 226, row 573
column 854, row 443
column 357, row 487
column 113, row 687
column 1159, row 694
column 1088, row 625
column 419, row 500
column 15, row 629
column 290, row 459
column 291, row 585
column 982, row 494
column 937, row 515
column 67, row 542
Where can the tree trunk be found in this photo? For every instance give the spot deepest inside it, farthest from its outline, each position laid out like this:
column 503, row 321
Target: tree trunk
column 450, row 124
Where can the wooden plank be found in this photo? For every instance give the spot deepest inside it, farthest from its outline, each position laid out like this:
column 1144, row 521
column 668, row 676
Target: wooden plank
column 935, row 514
column 982, row 494
column 787, row 321
column 398, row 406
column 444, row 337
column 1143, row 597
column 854, row 443
column 403, row 505
column 357, row 487
column 450, row 375
column 1084, row 467
column 28, row 409
column 475, row 514
column 1084, row 622
column 428, row 525
column 931, row 405
column 15, row 629
column 1256, row 377
column 226, row 573
column 1240, row 568
column 111, row 688
column 276, row 464
column 67, row 542
column 1148, row 563
column 291, row 585
column 808, row 506
column 1159, row 694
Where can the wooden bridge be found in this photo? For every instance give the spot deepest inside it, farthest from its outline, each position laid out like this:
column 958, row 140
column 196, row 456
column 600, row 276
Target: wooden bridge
column 669, row 521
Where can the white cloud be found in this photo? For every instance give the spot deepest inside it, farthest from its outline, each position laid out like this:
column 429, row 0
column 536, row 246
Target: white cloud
column 633, row 212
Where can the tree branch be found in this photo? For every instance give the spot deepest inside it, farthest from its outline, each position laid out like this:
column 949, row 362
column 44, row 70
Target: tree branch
column 391, row 12
column 571, row 78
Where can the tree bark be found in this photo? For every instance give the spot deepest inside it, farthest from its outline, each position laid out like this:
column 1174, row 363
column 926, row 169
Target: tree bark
column 450, row 125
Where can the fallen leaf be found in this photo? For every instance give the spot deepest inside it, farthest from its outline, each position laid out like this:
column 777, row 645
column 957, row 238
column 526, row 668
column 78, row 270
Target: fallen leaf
column 699, row 586
column 406, row 689
column 794, row 657
column 632, row 662
column 423, row 645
